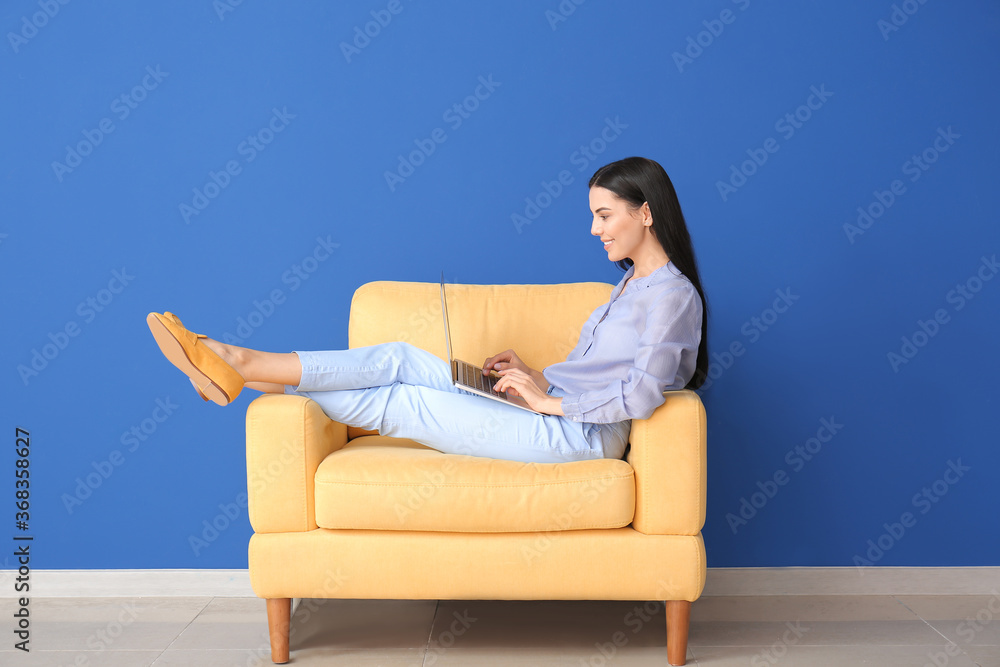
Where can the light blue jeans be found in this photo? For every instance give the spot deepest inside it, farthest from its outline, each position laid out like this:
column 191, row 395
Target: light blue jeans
column 403, row 391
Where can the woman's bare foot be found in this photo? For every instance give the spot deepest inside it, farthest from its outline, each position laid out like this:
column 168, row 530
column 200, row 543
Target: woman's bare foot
column 260, row 368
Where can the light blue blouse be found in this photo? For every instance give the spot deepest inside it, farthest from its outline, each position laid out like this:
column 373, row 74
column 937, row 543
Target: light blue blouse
column 641, row 343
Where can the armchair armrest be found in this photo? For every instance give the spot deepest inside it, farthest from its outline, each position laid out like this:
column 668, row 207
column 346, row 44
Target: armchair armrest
column 669, row 456
column 288, row 436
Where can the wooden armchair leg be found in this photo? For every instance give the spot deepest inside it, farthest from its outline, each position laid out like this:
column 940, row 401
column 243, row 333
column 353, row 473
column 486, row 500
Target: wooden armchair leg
column 678, row 623
column 279, row 611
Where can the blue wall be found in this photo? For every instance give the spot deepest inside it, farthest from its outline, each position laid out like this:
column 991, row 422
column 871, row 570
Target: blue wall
column 198, row 157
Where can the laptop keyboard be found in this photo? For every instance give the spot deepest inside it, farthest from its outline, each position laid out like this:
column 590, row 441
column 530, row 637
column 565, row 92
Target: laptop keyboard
column 473, row 376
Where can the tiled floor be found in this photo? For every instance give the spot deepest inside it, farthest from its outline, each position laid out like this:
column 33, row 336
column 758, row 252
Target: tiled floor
column 910, row 631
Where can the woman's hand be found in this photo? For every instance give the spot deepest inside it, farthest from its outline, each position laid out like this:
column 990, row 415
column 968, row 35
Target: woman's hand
column 518, row 383
column 503, row 361
column 508, row 360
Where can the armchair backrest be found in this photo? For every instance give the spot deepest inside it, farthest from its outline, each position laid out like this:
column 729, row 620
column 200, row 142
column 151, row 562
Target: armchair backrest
column 540, row 322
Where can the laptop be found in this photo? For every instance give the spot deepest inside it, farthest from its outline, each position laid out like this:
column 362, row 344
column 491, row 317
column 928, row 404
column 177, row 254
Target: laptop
column 469, row 376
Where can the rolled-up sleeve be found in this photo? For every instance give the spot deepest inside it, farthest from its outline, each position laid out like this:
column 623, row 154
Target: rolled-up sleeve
column 665, row 358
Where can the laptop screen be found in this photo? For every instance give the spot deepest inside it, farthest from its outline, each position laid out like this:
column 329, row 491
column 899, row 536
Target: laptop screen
column 444, row 310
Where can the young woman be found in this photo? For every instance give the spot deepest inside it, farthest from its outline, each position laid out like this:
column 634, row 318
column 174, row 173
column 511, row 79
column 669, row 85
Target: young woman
column 649, row 337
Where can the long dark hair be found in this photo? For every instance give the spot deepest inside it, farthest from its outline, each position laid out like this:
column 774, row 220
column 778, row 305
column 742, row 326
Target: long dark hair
column 638, row 180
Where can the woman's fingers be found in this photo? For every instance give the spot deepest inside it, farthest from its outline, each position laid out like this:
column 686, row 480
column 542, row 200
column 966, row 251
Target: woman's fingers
column 493, row 361
column 499, row 361
column 509, row 377
column 517, row 383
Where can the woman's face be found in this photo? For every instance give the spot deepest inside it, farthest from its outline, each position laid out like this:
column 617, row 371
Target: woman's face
column 614, row 222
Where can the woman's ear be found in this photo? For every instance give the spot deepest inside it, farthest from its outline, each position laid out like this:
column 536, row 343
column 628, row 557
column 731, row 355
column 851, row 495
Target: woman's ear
column 647, row 217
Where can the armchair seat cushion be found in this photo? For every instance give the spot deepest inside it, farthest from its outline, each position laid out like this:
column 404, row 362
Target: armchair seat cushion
column 383, row 483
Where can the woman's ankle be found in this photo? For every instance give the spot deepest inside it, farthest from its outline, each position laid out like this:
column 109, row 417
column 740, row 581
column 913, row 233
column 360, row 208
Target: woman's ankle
column 234, row 356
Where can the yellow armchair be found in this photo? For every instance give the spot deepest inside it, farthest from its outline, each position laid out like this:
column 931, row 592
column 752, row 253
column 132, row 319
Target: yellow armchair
column 341, row 512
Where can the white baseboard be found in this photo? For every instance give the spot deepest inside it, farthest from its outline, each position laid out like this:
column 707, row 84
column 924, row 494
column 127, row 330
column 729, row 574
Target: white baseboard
column 852, row 581
column 131, row 583
column 720, row 581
